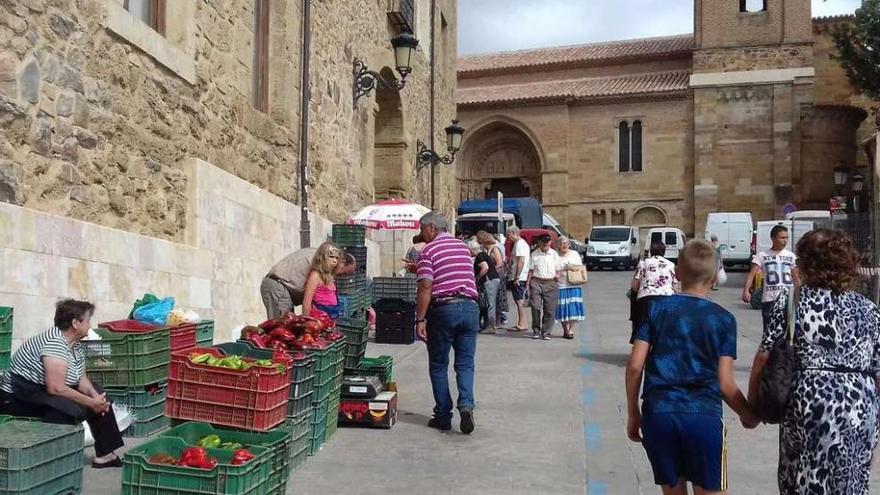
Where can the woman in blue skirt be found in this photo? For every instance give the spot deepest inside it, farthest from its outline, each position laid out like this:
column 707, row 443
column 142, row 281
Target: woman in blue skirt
column 570, row 309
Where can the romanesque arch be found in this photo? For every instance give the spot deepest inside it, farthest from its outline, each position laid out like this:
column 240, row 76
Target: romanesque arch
column 390, row 143
column 649, row 216
column 500, row 155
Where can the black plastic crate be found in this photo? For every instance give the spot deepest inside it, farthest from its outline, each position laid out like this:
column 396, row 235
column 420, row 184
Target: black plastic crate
column 404, row 288
column 395, row 321
column 360, row 256
column 404, row 333
column 348, row 235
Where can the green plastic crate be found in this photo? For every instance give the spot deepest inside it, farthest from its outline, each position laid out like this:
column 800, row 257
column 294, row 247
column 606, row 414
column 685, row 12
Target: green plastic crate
column 205, row 333
column 128, row 359
column 145, row 402
column 34, row 454
column 65, row 484
column 332, row 420
column 301, row 404
column 277, row 442
column 300, row 457
column 140, row 477
column 146, row 428
column 348, row 235
column 300, row 426
column 5, row 359
column 378, row 366
column 5, row 320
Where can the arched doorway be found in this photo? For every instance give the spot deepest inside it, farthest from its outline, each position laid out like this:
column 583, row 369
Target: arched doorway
column 389, row 144
column 646, row 218
column 500, row 157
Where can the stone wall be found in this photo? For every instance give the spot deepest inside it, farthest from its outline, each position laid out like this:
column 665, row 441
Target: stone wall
column 98, row 112
column 753, row 58
column 235, row 233
column 719, row 23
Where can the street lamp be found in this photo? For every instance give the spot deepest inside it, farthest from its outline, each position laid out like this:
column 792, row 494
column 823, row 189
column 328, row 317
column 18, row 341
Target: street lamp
column 841, row 175
column 426, row 156
column 365, row 80
column 857, row 180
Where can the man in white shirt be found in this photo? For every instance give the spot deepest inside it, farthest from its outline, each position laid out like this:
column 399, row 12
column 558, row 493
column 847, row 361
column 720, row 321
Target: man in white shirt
column 779, row 268
column 543, row 288
column 519, row 268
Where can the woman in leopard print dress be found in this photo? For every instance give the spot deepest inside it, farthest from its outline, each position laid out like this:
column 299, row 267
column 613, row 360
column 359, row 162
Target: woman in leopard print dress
column 830, row 426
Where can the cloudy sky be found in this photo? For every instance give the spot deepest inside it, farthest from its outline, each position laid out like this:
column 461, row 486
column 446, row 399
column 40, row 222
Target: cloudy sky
column 498, row 25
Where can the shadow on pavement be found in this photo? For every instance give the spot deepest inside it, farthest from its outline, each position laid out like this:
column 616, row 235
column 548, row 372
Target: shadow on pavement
column 412, row 418
column 618, row 360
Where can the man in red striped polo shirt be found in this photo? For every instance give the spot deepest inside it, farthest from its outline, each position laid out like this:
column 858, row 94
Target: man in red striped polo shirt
column 448, row 317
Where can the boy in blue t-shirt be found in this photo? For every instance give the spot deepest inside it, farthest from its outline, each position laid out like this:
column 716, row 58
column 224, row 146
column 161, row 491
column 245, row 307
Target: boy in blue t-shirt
column 686, row 348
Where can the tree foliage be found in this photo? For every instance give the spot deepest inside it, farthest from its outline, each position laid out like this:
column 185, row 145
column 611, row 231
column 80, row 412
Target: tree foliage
column 858, row 44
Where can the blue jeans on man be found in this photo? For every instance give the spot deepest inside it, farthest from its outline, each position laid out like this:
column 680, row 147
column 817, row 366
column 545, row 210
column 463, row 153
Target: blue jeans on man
column 453, row 325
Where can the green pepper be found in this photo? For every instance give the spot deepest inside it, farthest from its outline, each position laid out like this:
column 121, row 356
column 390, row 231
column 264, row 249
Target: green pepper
column 210, row 442
column 263, row 362
column 200, row 358
column 230, row 446
column 213, row 361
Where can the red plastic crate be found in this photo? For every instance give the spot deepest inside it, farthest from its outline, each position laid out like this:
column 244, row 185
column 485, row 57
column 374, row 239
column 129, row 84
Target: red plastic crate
column 183, row 337
column 236, row 417
column 252, row 399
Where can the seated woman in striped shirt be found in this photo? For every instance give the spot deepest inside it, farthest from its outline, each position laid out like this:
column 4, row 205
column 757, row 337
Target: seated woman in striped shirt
column 47, row 379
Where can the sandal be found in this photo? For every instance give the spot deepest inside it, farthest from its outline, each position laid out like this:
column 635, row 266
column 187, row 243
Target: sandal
column 115, row 463
column 568, row 336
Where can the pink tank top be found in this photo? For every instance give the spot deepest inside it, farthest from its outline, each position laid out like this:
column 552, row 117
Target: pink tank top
column 325, row 295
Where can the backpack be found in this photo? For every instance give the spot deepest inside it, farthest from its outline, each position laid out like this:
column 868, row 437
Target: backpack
column 778, row 374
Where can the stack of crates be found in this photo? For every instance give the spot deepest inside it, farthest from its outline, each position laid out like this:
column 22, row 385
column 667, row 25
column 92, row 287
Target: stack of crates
column 394, row 299
column 299, row 405
column 333, row 397
column 352, row 291
column 5, row 336
column 357, row 332
column 328, row 380
column 131, row 363
column 40, row 458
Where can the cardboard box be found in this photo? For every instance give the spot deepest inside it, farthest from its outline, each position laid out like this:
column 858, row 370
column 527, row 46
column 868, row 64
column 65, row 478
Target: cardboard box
column 378, row 412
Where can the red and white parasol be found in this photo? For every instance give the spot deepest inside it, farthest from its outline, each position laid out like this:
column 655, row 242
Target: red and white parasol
column 392, row 214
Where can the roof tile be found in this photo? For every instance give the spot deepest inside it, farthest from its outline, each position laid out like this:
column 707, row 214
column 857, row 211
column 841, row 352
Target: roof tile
column 658, row 83
column 593, row 53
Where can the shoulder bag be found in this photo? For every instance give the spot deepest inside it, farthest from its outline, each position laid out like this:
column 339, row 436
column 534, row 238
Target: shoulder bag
column 578, row 276
column 778, row 374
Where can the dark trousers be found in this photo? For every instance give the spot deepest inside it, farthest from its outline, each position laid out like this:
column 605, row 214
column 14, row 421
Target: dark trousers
column 452, row 326
column 543, row 298
column 32, row 400
column 767, row 313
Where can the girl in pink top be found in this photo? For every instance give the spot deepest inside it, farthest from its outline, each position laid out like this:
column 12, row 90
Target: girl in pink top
column 320, row 289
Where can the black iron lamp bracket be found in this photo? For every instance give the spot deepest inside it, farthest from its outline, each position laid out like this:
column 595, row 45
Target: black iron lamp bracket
column 426, row 156
column 366, row 80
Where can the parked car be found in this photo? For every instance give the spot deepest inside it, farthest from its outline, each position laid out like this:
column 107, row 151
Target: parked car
column 735, row 232
column 613, row 246
column 672, row 237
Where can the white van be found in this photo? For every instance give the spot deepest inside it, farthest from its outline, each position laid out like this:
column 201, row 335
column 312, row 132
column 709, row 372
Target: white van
column 735, row 235
column 672, row 237
column 614, row 246
column 796, row 230
column 821, row 218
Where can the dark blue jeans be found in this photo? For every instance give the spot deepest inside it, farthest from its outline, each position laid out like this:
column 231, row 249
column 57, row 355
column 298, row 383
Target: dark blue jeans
column 455, row 326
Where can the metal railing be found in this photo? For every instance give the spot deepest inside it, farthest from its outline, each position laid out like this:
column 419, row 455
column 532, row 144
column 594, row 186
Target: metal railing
column 402, row 14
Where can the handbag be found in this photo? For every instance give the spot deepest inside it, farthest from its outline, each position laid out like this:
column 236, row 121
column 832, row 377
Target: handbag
column 577, row 276
column 777, row 376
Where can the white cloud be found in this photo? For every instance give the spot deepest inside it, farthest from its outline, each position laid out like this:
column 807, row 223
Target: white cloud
column 499, row 25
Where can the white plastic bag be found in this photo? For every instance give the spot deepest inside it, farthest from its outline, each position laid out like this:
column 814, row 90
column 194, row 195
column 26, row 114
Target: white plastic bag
column 124, row 419
column 722, row 276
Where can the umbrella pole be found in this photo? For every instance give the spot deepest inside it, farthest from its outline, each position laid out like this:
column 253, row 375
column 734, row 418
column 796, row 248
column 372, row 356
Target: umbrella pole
column 393, row 252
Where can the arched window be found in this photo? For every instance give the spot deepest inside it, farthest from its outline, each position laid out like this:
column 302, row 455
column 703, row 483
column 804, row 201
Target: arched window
column 629, row 152
column 636, row 146
column 752, row 5
column 623, row 151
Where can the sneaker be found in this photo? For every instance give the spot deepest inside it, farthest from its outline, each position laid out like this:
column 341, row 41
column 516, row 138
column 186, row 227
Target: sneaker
column 467, row 421
column 488, row 331
column 440, row 424
column 536, row 335
column 545, row 336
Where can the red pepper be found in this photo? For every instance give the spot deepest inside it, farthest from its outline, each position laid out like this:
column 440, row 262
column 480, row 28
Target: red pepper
column 270, row 324
column 281, row 356
column 241, row 456
column 282, row 334
column 250, row 330
column 258, row 340
column 278, row 345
